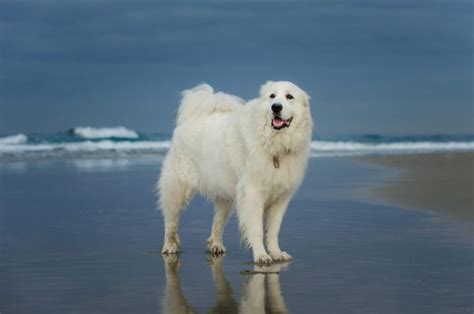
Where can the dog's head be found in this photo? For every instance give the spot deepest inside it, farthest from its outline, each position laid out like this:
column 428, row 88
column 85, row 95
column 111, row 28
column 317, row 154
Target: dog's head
column 285, row 103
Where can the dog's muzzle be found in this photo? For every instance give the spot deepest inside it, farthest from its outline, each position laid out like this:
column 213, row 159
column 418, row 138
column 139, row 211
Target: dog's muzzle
column 278, row 123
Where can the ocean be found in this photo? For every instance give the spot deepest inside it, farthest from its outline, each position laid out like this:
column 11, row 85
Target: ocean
column 120, row 142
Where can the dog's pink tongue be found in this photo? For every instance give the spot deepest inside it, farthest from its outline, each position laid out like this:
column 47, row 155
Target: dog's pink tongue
column 278, row 123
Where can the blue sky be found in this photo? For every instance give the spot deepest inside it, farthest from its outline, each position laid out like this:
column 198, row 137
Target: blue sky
column 385, row 66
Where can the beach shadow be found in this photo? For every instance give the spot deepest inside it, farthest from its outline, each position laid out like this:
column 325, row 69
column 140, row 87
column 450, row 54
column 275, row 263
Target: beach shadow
column 260, row 290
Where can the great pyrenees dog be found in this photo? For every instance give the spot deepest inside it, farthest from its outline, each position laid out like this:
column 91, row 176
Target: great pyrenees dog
column 251, row 156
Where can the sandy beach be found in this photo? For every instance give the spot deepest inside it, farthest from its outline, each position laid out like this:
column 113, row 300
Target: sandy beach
column 442, row 182
column 82, row 236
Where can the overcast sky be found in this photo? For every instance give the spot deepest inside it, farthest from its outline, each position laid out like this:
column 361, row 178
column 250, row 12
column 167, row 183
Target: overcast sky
column 379, row 66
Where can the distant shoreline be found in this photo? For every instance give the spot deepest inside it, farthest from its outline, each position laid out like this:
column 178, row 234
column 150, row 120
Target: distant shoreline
column 120, row 142
column 440, row 182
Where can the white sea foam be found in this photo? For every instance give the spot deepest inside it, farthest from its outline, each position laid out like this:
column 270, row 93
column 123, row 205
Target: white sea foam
column 117, row 146
column 98, row 133
column 19, row 148
column 13, row 139
column 364, row 148
column 86, row 146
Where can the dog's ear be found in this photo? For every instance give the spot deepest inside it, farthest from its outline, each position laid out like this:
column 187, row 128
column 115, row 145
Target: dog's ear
column 264, row 90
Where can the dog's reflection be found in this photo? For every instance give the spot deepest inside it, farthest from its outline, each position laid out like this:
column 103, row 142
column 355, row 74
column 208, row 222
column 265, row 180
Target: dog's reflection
column 255, row 298
column 261, row 292
column 174, row 300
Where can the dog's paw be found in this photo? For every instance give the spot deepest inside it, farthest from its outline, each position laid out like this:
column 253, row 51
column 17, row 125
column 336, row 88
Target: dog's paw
column 215, row 260
column 263, row 259
column 215, row 247
column 170, row 248
column 281, row 256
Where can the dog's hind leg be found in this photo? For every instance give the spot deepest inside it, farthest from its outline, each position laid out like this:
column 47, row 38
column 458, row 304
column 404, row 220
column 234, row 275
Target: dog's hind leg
column 174, row 194
column 222, row 208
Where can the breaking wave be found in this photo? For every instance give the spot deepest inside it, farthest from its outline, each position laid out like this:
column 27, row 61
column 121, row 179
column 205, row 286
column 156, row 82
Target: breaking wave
column 13, row 139
column 121, row 142
column 102, row 133
column 357, row 148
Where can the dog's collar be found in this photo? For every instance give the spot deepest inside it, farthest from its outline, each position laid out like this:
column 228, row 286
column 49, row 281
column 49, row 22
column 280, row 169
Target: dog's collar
column 276, row 162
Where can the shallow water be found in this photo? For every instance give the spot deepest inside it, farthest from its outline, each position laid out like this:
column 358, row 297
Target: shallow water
column 83, row 237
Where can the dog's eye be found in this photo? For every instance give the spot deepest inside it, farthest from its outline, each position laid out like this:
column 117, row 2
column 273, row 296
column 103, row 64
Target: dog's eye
column 289, row 96
column 272, row 96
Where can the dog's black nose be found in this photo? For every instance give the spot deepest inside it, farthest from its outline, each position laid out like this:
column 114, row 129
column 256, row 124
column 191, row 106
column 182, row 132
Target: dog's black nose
column 276, row 108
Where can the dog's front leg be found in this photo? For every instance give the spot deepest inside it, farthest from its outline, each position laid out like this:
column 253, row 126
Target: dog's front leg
column 274, row 217
column 250, row 213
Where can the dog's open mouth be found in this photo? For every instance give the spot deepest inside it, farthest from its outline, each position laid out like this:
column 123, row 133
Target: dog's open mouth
column 278, row 123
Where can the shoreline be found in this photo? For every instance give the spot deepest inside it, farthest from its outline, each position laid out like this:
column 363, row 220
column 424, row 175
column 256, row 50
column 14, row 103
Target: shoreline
column 440, row 182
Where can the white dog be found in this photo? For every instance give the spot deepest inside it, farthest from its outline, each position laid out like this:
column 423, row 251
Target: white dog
column 252, row 156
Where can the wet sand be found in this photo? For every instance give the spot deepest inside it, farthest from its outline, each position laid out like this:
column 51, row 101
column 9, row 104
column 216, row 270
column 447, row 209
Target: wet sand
column 442, row 182
column 83, row 237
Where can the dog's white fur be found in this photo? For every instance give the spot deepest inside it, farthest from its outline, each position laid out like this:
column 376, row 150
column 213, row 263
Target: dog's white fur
column 225, row 150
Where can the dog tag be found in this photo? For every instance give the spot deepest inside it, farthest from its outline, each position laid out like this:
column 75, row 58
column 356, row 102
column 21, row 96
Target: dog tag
column 276, row 162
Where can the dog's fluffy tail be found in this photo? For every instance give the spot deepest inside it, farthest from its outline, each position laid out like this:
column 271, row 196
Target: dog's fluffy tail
column 201, row 101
